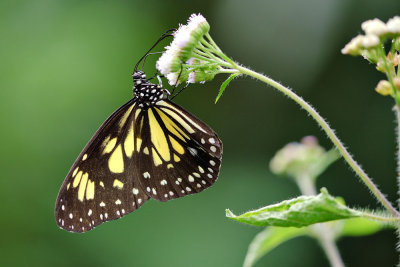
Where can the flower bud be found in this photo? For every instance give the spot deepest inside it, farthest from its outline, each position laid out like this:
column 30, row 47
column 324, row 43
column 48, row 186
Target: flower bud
column 384, row 88
column 396, row 59
column 188, row 36
column 374, row 27
column 396, row 82
column 172, row 63
column 296, row 159
column 354, row 47
column 369, row 41
column 176, row 78
column 393, row 25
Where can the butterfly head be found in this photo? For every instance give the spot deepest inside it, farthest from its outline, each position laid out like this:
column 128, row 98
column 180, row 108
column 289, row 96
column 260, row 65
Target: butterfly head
column 138, row 75
column 147, row 93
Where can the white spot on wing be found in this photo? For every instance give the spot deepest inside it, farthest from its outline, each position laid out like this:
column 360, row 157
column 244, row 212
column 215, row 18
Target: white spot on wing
column 192, row 151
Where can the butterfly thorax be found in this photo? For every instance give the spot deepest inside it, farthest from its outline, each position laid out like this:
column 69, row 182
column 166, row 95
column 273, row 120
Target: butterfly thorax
column 146, row 93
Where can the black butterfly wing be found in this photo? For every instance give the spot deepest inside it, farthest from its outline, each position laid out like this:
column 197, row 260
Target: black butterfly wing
column 102, row 184
column 179, row 155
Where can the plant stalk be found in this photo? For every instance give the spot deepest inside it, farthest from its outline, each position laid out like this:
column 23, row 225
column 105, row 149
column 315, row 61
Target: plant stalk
column 331, row 134
column 397, row 113
column 323, row 234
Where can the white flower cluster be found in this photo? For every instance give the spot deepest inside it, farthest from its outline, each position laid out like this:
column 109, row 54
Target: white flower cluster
column 180, row 51
column 374, row 30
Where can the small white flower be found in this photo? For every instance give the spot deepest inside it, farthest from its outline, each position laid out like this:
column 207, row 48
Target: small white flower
column 195, row 20
column 369, row 41
column 192, row 77
column 182, row 36
column 374, row 27
column 185, row 32
column 354, row 46
column 165, row 62
column 172, row 78
column 186, row 38
column 393, row 24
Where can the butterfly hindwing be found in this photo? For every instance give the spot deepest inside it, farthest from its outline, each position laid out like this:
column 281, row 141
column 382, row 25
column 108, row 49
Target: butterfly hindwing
column 102, row 185
column 148, row 148
column 181, row 155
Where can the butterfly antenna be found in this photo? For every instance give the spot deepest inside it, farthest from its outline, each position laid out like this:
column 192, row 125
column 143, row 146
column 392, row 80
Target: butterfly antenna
column 183, row 88
column 176, row 82
column 148, row 54
column 163, row 36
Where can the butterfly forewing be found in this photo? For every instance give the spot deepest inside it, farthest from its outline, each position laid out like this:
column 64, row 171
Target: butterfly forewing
column 181, row 154
column 102, row 185
column 148, row 148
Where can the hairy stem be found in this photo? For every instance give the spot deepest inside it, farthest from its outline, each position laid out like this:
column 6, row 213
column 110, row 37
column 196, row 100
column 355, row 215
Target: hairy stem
column 331, row 134
column 397, row 113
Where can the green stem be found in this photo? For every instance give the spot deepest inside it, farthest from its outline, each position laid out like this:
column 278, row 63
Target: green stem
column 397, row 113
column 390, row 73
column 331, row 134
column 217, row 50
column 210, row 58
column 227, row 71
column 380, row 218
column 326, row 239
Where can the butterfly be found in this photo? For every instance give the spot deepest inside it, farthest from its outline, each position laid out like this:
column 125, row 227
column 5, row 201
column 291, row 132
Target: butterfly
column 148, row 148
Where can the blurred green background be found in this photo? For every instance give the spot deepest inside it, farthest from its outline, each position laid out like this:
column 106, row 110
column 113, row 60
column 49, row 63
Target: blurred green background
column 66, row 65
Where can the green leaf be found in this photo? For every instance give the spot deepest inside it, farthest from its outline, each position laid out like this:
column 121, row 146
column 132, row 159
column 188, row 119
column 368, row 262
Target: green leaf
column 361, row 227
column 298, row 212
column 269, row 239
column 225, row 84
